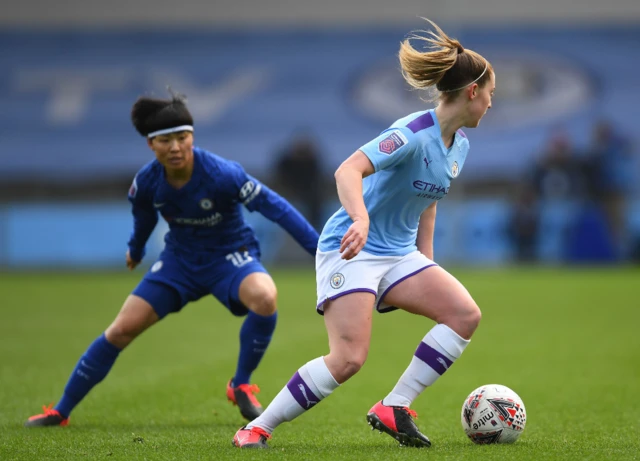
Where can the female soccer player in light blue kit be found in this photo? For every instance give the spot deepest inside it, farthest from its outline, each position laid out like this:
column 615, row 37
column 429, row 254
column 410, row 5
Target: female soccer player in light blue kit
column 377, row 250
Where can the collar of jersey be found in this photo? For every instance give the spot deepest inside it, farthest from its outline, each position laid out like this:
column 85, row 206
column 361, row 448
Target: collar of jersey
column 437, row 135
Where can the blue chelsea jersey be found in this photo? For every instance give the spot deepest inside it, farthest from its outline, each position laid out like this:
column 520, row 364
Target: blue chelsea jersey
column 203, row 215
column 413, row 169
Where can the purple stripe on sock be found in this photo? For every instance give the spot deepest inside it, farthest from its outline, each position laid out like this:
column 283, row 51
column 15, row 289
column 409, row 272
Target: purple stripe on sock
column 301, row 392
column 421, row 123
column 433, row 358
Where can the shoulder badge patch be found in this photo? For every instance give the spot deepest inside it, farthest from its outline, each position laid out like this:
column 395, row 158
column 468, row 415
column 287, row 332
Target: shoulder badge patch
column 394, row 141
column 133, row 190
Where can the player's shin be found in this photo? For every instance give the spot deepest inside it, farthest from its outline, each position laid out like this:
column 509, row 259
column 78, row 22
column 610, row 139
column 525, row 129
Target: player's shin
column 308, row 386
column 255, row 336
column 433, row 357
column 92, row 367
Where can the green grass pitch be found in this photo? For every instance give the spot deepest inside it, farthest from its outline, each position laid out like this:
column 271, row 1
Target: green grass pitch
column 565, row 340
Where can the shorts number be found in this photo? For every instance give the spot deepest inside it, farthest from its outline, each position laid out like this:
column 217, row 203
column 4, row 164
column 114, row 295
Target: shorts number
column 239, row 259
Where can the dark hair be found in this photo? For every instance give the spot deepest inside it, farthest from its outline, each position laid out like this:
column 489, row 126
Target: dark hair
column 447, row 66
column 153, row 114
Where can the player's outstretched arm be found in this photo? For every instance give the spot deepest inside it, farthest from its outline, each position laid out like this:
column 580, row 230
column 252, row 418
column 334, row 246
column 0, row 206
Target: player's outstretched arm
column 277, row 209
column 257, row 197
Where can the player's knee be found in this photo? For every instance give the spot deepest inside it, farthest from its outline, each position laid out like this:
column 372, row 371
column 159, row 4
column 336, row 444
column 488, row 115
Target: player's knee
column 264, row 302
column 121, row 334
column 117, row 336
column 351, row 363
column 465, row 319
column 474, row 316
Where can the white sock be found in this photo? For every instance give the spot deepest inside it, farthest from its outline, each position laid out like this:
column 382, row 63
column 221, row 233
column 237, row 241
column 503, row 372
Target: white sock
column 311, row 383
column 435, row 354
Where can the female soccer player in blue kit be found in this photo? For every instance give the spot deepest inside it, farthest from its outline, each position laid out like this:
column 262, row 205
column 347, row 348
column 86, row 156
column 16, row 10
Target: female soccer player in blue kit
column 210, row 249
column 377, row 250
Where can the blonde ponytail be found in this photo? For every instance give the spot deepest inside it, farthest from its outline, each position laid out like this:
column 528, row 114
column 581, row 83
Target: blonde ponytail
column 447, row 65
column 423, row 69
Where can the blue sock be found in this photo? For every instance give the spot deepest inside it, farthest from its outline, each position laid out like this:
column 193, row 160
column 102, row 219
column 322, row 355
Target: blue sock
column 90, row 370
column 255, row 336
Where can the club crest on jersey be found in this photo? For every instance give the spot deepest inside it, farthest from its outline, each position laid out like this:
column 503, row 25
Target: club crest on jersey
column 454, row 169
column 394, row 141
column 337, row 280
column 206, row 204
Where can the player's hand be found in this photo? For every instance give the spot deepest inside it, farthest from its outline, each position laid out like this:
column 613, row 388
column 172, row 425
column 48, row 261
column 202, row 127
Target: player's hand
column 355, row 238
column 131, row 264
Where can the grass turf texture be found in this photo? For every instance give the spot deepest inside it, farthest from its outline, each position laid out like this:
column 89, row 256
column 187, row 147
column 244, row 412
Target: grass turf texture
column 565, row 340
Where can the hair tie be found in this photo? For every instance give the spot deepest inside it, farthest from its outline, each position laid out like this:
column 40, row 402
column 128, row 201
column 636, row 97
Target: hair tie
column 470, row 83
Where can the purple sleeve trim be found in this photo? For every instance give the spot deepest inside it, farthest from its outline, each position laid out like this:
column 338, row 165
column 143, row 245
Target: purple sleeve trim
column 421, row 123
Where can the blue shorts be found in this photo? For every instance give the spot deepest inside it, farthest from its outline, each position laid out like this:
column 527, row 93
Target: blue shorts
column 173, row 281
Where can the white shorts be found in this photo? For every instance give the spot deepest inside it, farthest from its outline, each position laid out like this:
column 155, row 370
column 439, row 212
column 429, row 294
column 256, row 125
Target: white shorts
column 369, row 273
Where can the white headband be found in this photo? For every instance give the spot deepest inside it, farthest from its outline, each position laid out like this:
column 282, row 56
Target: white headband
column 470, row 83
column 170, row 130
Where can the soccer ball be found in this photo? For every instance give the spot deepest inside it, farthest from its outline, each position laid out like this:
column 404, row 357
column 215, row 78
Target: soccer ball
column 493, row 414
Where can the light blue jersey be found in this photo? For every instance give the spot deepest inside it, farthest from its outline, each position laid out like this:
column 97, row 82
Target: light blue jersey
column 413, row 169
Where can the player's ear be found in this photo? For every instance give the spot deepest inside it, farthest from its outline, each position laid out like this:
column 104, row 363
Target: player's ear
column 150, row 143
column 473, row 90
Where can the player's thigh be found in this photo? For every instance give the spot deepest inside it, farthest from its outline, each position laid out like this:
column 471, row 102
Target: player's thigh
column 135, row 316
column 436, row 294
column 348, row 320
column 258, row 293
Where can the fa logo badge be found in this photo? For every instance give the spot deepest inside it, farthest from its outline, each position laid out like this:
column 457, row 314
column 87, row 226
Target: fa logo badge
column 454, row 169
column 133, row 190
column 392, row 143
column 337, row 280
column 206, row 204
column 156, row 266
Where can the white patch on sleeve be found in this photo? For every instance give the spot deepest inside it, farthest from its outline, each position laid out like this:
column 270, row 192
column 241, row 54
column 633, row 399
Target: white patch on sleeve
column 249, row 191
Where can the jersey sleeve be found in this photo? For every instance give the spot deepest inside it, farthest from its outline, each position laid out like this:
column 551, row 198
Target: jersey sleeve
column 145, row 217
column 391, row 148
column 241, row 186
column 257, row 197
